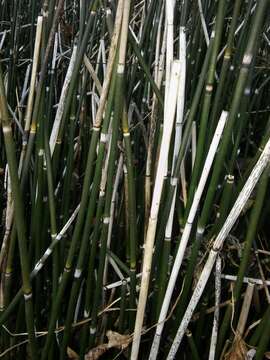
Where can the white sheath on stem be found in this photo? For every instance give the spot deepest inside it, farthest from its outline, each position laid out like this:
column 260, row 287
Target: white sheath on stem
column 114, row 195
column 151, row 230
column 216, row 312
column 61, row 105
column 179, row 120
column 30, row 101
column 186, row 234
column 205, row 32
column 231, row 219
column 169, row 45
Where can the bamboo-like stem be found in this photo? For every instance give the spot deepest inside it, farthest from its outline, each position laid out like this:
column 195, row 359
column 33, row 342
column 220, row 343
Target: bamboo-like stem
column 89, row 170
column 40, row 264
column 19, row 216
column 112, row 210
column 241, row 82
column 160, row 58
column 111, row 167
column 169, row 46
column 152, row 224
column 185, row 235
column 255, row 216
column 30, row 100
column 132, row 217
column 217, row 246
column 95, row 77
column 184, row 143
column 209, row 86
column 177, row 144
column 40, row 89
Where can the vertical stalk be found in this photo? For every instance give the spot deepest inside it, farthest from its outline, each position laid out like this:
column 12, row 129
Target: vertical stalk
column 19, row 217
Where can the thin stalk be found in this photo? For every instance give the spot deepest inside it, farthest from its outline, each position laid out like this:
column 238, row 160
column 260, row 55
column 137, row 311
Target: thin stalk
column 209, row 87
column 218, row 243
column 152, row 224
column 185, row 235
column 214, row 335
column 251, row 231
column 19, row 217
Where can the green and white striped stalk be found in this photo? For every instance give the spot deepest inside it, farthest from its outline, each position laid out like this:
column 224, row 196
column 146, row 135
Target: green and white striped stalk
column 218, row 244
column 177, row 144
column 152, row 224
column 112, row 210
column 30, row 100
column 60, row 108
column 185, row 236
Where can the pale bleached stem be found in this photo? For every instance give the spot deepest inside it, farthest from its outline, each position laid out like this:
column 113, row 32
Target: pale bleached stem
column 103, row 56
column 116, row 268
column 246, row 279
column 123, row 38
column 61, row 105
column 204, row 27
column 142, row 17
column 151, row 231
column 169, row 47
column 114, row 196
column 93, row 93
column 158, row 44
column 245, row 310
column 40, row 263
column 92, row 73
column 112, row 53
column 158, row 79
column 119, row 282
column 229, row 223
column 59, row 40
column 30, row 101
column 179, row 123
column 24, row 93
column 3, row 39
column 214, row 336
column 186, row 234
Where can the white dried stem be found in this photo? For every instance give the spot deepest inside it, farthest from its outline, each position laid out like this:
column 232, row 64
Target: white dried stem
column 151, row 231
column 245, row 310
column 114, row 194
column 186, row 234
column 205, row 32
column 30, row 101
column 231, row 219
column 92, row 73
column 61, row 105
column 214, row 336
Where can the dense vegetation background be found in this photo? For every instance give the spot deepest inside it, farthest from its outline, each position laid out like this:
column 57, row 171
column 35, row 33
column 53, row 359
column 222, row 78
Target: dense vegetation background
column 134, row 179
